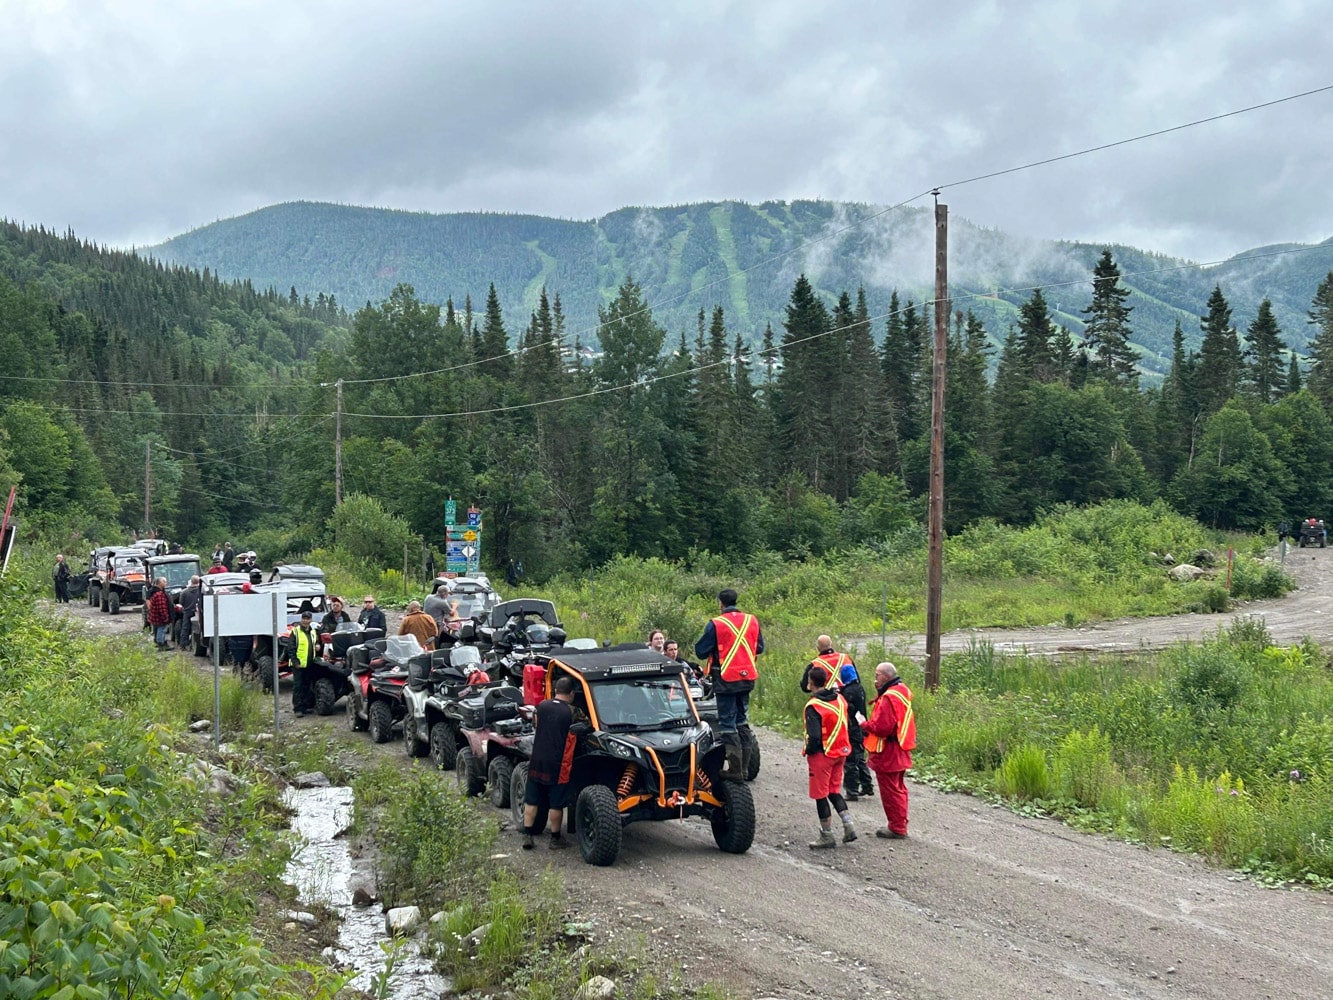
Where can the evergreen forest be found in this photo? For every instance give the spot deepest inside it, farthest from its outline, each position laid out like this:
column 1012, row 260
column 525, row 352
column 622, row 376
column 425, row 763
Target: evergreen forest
column 120, row 371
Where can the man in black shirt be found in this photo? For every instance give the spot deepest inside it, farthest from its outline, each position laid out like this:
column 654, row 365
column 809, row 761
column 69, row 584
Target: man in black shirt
column 335, row 617
column 373, row 617
column 550, row 765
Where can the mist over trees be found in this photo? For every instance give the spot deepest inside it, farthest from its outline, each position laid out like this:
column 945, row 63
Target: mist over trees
column 662, row 443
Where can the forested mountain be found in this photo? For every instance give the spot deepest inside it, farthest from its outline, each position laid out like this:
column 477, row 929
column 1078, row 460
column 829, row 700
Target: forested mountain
column 669, row 443
column 692, row 257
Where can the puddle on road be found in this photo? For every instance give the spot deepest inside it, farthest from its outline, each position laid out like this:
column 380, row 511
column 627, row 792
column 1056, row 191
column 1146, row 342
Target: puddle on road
column 323, row 869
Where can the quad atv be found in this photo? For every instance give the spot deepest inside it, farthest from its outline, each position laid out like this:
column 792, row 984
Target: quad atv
column 332, row 679
column 496, row 730
column 516, row 633
column 379, row 674
column 1313, row 532
column 644, row 754
column 435, row 681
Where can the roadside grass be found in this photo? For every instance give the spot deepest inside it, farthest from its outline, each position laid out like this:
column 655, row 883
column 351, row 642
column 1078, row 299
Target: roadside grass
column 1223, row 748
column 123, row 871
column 498, row 932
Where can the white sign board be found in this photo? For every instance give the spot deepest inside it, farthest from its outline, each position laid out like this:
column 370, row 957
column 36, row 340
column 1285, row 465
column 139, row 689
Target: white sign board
column 242, row 614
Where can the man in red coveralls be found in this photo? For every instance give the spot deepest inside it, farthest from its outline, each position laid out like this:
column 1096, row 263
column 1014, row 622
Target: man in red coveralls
column 890, row 738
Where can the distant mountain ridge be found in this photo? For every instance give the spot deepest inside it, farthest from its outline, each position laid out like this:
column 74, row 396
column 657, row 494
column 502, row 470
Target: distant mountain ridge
column 739, row 256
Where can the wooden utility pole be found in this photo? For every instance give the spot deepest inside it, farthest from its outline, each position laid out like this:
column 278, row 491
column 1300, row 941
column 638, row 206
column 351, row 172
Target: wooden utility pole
column 935, row 558
column 147, row 483
column 338, row 447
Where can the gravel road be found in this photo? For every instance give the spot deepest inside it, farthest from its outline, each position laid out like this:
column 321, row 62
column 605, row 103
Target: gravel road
column 977, row 903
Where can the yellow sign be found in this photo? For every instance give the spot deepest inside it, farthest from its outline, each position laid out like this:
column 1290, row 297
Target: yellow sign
column 469, row 536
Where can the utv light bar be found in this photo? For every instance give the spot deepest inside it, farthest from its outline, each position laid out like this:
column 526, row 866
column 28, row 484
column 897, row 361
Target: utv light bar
column 629, row 669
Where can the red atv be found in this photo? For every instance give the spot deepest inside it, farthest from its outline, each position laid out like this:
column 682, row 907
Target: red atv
column 496, row 730
column 379, row 673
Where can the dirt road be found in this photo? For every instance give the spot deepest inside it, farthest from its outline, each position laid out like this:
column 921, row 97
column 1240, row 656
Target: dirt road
column 1305, row 611
column 977, row 903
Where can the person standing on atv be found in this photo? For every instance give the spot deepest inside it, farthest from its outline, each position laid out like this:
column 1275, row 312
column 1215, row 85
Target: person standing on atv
column 60, row 575
column 371, row 616
column 304, row 641
column 890, row 738
column 729, row 647
column 550, row 765
column 159, row 612
column 827, row 747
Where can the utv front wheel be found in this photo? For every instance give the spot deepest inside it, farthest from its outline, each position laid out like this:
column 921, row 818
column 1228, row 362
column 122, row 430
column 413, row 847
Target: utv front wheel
column 443, row 749
column 498, row 776
column 470, row 783
column 598, row 823
column 325, row 697
column 266, row 669
column 733, row 823
column 113, row 602
column 354, row 721
column 518, row 787
column 381, row 721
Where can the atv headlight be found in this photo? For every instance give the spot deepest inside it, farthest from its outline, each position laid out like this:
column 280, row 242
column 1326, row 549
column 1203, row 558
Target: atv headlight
column 621, row 749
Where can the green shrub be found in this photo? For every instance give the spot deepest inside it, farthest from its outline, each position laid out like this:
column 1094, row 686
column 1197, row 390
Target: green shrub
column 1084, row 771
column 514, row 915
column 1214, row 816
column 1024, row 774
column 1253, row 580
column 1209, row 677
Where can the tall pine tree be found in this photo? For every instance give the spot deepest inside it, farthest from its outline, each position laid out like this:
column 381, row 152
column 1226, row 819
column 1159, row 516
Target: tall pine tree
column 1263, row 376
column 1106, row 336
column 1219, row 355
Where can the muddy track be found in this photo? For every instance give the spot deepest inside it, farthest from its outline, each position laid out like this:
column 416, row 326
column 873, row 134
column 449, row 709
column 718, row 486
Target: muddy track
column 977, row 903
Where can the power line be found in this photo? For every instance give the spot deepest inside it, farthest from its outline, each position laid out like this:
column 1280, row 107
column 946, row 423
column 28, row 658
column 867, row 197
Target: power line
column 1136, row 138
column 816, row 336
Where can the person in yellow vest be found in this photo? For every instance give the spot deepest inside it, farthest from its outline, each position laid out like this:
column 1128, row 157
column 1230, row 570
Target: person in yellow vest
column 890, row 740
column 304, row 641
column 729, row 647
column 827, row 747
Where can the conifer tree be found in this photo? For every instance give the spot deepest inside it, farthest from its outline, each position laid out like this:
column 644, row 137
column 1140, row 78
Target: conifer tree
column 1033, row 354
column 799, row 410
column 1107, row 333
column 1319, row 376
column 494, row 340
column 1219, row 355
column 1263, row 376
column 1293, row 385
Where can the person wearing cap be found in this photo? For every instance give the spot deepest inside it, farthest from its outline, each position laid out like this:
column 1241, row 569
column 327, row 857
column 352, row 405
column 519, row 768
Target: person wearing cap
column 890, row 739
column 336, row 616
column 217, row 566
column 304, row 641
column 371, row 616
column 827, row 747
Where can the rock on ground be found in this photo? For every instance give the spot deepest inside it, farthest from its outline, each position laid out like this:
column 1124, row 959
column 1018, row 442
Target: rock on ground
column 597, row 988
column 311, row 779
column 402, row 920
column 1184, row 573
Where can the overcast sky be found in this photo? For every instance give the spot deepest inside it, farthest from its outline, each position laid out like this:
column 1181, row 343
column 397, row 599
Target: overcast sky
column 133, row 121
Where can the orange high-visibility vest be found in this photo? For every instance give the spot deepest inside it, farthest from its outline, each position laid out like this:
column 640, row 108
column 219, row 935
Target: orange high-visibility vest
column 833, row 722
column 737, row 637
column 833, row 662
column 906, row 735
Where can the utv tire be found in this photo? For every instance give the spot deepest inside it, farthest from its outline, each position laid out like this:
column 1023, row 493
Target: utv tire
column 498, row 776
column 518, row 786
column 750, row 750
column 733, row 824
column 113, row 602
column 266, row 669
column 470, row 783
column 381, row 721
column 325, row 697
column 443, row 749
column 415, row 748
column 102, row 604
column 598, row 824
column 94, row 596
column 354, row 721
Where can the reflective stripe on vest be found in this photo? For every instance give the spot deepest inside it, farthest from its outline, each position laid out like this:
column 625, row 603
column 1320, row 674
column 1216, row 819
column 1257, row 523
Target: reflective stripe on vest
column 905, row 737
column 736, row 640
column 833, row 665
column 833, row 726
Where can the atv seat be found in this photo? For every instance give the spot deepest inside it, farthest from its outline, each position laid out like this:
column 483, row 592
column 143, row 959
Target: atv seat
column 500, row 703
column 359, row 657
column 422, row 667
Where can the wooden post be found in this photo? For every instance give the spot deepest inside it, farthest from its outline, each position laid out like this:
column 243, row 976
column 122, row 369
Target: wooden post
column 147, row 483
column 338, row 447
column 935, row 520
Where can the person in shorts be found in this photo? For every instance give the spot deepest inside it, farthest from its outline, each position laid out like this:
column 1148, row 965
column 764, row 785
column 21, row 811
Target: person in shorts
column 549, row 767
column 827, row 747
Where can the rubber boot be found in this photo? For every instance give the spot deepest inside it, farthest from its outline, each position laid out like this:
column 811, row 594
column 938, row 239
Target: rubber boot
column 733, row 768
column 746, row 752
column 826, row 840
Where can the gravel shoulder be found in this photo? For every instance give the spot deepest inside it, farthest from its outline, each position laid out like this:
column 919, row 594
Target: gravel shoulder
column 977, row 903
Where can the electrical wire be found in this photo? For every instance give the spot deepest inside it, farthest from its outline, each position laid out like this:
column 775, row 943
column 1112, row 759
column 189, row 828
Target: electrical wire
column 640, row 383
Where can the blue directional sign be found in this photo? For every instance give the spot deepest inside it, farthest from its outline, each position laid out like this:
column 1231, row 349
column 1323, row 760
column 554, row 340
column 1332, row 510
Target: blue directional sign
column 473, row 518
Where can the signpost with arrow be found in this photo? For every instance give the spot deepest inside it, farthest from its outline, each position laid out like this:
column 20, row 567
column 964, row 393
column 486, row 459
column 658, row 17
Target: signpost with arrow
column 462, row 548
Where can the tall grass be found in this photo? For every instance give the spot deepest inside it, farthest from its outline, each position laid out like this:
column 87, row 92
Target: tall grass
column 1223, row 747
